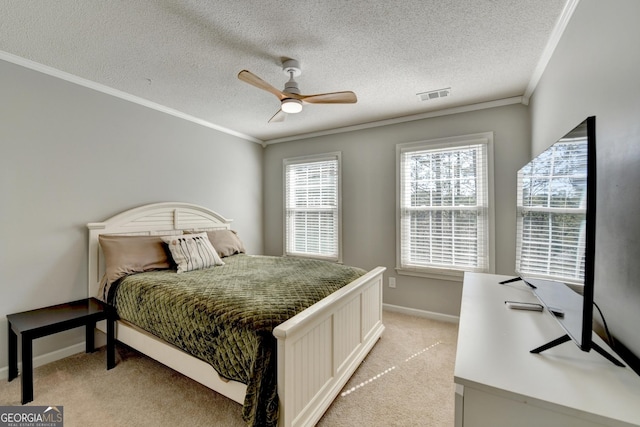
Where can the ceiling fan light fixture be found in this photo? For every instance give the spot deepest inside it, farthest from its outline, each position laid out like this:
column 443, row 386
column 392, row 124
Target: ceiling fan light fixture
column 290, row 98
column 291, row 105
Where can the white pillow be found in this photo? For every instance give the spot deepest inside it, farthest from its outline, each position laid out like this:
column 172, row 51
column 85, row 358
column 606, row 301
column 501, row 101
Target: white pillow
column 192, row 251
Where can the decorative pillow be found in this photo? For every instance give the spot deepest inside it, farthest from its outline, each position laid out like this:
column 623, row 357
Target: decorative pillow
column 225, row 242
column 124, row 255
column 192, row 252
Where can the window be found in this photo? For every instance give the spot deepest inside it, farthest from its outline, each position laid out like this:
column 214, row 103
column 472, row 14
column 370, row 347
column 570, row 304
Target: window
column 312, row 206
column 552, row 192
column 444, row 220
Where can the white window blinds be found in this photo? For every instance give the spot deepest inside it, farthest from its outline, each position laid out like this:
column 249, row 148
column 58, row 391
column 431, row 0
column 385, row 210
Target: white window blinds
column 312, row 211
column 552, row 213
column 444, row 215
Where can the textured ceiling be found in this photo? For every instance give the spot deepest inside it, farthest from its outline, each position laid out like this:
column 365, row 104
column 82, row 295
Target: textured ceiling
column 186, row 55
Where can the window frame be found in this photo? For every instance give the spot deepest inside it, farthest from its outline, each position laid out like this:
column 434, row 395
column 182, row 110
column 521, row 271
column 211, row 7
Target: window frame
column 450, row 273
column 315, row 158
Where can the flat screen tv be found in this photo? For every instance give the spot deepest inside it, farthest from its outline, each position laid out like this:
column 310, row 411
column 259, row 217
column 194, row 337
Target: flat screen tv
column 556, row 233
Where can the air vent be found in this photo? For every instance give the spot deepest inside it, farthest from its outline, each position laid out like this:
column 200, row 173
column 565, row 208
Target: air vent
column 434, row 94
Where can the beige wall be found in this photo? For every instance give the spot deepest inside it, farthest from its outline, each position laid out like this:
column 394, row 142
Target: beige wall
column 71, row 155
column 369, row 194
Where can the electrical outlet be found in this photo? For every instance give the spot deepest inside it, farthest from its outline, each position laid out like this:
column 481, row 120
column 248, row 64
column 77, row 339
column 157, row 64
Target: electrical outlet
column 392, row 282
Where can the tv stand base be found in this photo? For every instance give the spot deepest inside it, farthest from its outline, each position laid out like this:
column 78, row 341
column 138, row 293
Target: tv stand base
column 566, row 338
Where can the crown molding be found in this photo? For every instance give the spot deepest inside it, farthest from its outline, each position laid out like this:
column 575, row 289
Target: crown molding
column 54, row 72
column 552, row 43
column 403, row 119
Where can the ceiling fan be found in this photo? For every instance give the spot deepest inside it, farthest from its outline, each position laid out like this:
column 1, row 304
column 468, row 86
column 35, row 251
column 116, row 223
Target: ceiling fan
column 290, row 98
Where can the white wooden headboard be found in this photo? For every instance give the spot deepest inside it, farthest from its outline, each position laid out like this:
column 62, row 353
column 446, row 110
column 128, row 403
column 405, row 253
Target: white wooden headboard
column 154, row 219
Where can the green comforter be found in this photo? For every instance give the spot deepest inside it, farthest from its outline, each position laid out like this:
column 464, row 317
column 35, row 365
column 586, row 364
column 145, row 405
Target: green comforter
column 225, row 315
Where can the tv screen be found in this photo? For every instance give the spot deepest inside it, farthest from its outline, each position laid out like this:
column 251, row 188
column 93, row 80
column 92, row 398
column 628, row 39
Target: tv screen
column 556, row 228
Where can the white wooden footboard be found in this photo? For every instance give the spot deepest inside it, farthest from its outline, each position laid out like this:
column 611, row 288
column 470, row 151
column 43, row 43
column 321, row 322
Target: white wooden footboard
column 320, row 348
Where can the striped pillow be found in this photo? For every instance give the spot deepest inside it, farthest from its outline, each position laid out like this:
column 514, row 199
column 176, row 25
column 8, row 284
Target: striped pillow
column 192, row 252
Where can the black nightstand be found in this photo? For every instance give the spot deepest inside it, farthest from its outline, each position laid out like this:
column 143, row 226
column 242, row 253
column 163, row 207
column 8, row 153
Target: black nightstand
column 50, row 320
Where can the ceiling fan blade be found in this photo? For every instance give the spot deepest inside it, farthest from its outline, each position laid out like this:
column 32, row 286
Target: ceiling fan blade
column 252, row 79
column 346, row 97
column 278, row 117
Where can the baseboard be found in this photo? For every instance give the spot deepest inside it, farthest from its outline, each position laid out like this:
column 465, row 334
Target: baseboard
column 421, row 313
column 100, row 339
column 48, row 357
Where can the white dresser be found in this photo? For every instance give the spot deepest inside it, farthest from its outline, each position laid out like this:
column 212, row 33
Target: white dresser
column 499, row 383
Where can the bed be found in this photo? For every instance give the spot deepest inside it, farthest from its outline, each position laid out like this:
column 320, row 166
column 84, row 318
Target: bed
column 317, row 350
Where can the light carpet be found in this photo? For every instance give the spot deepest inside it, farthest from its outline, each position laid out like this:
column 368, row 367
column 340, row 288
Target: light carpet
column 406, row 380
